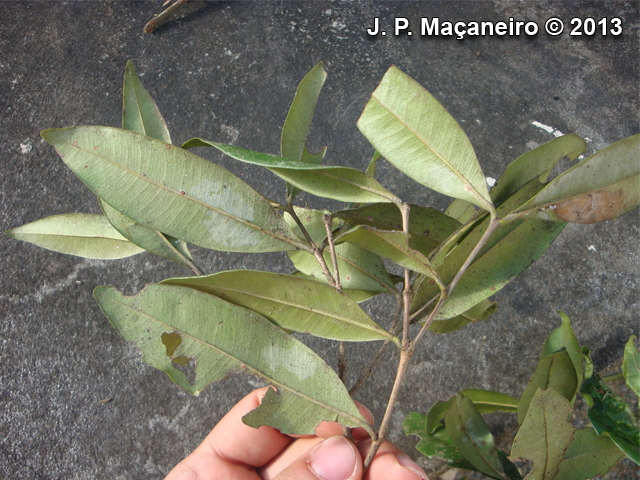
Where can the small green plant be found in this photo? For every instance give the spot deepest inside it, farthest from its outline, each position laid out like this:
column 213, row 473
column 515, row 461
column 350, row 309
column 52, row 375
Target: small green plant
column 159, row 197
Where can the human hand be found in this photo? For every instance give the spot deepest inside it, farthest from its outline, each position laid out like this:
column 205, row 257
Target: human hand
column 235, row 451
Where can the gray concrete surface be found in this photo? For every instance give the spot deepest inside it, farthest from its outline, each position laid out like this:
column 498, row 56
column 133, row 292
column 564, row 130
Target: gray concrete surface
column 227, row 71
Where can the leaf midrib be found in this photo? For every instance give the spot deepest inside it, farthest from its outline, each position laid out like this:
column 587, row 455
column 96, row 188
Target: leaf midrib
column 249, row 367
column 471, row 188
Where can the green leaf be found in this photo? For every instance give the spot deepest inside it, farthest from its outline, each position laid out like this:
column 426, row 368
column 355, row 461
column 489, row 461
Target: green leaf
column 428, row 227
column 392, row 245
column 599, row 188
column 338, row 183
column 588, row 455
column 198, row 339
column 545, row 435
column 485, row 401
column 435, row 444
column 292, row 303
column 610, row 414
column 631, row 366
column 409, row 128
column 510, row 470
column 511, row 249
column 139, row 112
column 357, row 296
column 371, row 169
column 460, row 210
column 359, row 268
column 172, row 190
column 554, row 371
column 481, row 311
column 471, row 436
column 296, row 126
column 536, row 163
column 148, row 238
column 81, row 234
column 564, row 338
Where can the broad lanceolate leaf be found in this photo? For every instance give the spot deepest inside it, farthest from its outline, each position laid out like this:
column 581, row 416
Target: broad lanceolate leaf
column 139, row 112
column 481, row 311
column 610, row 414
column 428, row 227
column 545, row 435
column 434, row 444
column 409, row 128
column 296, row 126
column 588, row 455
column 359, row 268
column 81, row 234
column 392, row 245
column 172, row 190
column 511, row 249
column 198, row 339
column 564, row 338
column 555, row 371
column 485, row 401
column 631, row 366
column 148, row 238
column 536, row 163
column 338, row 183
column 599, row 188
column 292, row 303
column 471, row 436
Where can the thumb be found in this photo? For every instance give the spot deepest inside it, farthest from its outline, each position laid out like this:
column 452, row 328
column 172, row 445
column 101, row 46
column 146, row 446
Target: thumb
column 334, row 459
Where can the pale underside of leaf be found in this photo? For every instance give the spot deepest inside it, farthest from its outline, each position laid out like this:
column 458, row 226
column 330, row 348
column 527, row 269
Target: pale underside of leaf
column 172, row 190
column 631, row 366
column 292, row 303
column 545, row 434
column 414, row 132
column 178, row 326
column 588, row 455
column 81, row 234
column 139, row 111
column 338, row 183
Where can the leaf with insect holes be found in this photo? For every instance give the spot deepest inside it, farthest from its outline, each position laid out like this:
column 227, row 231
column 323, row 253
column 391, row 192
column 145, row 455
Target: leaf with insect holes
column 536, row 163
column 81, row 234
column 414, row 132
column 172, row 190
column 602, row 187
column 197, row 339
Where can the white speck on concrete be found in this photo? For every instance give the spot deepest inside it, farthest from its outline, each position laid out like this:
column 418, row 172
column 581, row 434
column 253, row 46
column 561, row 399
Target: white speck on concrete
column 229, row 53
column 554, row 131
column 592, row 248
column 26, row 147
column 491, row 181
column 234, row 133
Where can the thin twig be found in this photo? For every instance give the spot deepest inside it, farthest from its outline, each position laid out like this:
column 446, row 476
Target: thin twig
column 407, row 294
column 156, row 20
column 342, row 363
column 332, row 249
column 394, row 330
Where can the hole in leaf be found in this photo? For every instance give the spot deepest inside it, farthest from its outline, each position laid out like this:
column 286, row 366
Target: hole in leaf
column 171, row 341
column 186, row 365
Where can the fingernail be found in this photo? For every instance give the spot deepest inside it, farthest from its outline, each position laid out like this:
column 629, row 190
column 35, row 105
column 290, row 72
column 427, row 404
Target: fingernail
column 334, row 459
column 412, row 466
